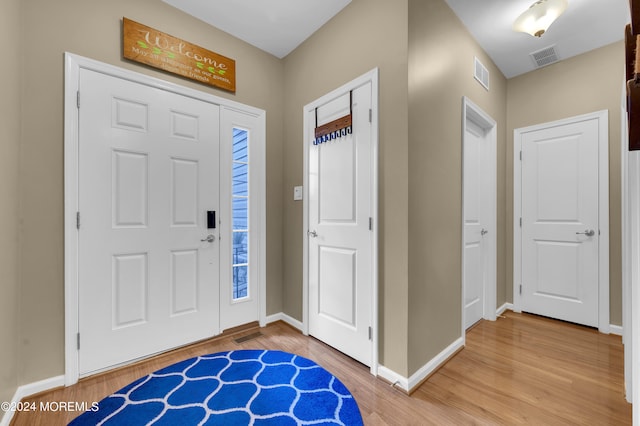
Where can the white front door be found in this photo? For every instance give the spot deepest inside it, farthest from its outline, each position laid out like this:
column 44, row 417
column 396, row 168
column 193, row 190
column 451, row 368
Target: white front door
column 340, row 238
column 148, row 264
column 479, row 215
column 560, row 223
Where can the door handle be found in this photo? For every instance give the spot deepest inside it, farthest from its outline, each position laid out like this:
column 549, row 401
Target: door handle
column 210, row 238
column 587, row 232
column 483, row 232
column 312, row 234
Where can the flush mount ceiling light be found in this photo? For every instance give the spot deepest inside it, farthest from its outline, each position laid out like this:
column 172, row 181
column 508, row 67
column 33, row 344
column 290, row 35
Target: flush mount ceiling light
column 539, row 17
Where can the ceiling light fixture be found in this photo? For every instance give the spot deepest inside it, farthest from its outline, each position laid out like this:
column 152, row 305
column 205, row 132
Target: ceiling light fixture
column 537, row 19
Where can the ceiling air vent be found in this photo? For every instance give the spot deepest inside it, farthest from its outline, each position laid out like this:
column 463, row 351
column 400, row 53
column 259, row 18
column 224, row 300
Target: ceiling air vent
column 544, row 57
column 481, row 73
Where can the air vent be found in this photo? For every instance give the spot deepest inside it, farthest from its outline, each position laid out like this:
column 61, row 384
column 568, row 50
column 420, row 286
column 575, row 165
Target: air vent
column 481, row 73
column 248, row 337
column 544, row 57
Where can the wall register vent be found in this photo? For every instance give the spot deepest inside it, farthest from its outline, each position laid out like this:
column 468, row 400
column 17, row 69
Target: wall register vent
column 481, row 73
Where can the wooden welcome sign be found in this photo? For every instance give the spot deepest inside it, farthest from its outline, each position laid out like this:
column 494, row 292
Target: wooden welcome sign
column 154, row 48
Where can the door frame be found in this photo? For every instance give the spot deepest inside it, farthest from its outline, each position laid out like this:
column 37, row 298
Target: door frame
column 73, row 64
column 629, row 205
column 373, row 77
column 603, row 210
column 470, row 111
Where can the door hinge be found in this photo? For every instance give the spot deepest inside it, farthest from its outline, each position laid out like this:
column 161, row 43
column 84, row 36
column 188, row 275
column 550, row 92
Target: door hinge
column 78, row 99
column 78, row 340
column 370, row 224
column 78, row 220
column 520, row 289
column 520, row 155
column 520, row 222
column 370, row 115
column 370, row 333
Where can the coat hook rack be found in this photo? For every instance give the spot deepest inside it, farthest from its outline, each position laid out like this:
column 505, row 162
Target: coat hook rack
column 336, row 129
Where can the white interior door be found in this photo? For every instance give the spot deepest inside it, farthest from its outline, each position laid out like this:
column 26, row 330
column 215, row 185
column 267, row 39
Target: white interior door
column 560, row 223
column 479, row 215
column 241, row 180
column 148, row 265
column 340, row 237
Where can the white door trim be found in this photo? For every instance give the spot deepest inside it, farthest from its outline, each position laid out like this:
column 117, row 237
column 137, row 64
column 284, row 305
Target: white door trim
column 73, row 65
column 475, row 113
column 634, row 230
column 371, row 76
column 628, row 193
column 603, row 210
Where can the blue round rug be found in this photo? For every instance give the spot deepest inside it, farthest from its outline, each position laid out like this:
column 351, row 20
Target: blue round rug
column 244, row 387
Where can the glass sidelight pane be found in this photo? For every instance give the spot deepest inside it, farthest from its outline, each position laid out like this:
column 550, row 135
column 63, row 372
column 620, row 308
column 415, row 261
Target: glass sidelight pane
column 240, row 248
column 240, row 214
column 240, row 145
column 240, row 179
column 240, row 282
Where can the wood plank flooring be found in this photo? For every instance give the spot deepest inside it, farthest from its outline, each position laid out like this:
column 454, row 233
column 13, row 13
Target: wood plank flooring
column 520, row 369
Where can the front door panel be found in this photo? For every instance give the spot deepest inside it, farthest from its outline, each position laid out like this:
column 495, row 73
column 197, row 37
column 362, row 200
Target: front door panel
column 148, row 277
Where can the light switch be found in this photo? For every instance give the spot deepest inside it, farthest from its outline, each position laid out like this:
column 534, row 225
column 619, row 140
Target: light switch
column 297, row 193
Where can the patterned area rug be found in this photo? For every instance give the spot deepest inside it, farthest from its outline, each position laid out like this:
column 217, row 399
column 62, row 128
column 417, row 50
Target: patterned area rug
column 244, row 387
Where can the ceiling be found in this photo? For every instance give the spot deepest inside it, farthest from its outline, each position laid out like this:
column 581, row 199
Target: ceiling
column 584, row 26
column 275, row 26
column 279, row 26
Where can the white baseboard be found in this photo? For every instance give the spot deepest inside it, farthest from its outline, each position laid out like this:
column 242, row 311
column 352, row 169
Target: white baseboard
column 438, row 361
column 615, row 329
column 28, row 390
column 503, row 308
column 394, row 378
column 408, row 384
column 281, row 316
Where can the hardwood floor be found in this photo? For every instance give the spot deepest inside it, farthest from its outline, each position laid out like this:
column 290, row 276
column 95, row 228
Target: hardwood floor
column 520, row 369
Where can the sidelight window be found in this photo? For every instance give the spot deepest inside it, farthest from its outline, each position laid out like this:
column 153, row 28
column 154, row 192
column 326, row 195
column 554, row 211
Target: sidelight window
column 240, row 213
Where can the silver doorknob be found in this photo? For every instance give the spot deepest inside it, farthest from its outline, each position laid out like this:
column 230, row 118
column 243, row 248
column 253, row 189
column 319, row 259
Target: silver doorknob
column 210, row 238
column 312, row 234
column 587, row 232
column 484, row 232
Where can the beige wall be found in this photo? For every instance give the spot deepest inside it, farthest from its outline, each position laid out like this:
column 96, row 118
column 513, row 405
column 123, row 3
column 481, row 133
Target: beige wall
column 9, row 220
column 366, row 34
column 579, row 85
column 93, row 29
column 441, row 55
